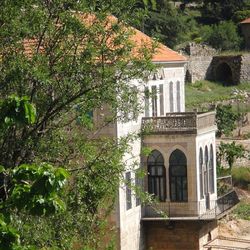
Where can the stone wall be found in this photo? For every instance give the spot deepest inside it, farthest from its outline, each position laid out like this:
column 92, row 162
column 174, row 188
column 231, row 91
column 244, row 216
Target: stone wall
column 226, row 69
column 245, row 27
column 245, row 68
column 177, row 235
column 204, row 63
column 199, row 59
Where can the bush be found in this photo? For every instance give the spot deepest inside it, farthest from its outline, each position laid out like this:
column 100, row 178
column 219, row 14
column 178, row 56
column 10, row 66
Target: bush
column 223, row 36
column 241, row 176
column 242, row 211
column 225, row 119
column 241, row 15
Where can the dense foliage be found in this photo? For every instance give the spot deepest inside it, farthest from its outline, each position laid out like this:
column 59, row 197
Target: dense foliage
column 230, row 152
column 60, row 60
column 225, row 120
column 213, row 22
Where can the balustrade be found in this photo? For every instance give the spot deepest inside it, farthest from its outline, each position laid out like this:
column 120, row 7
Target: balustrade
column 179, row 122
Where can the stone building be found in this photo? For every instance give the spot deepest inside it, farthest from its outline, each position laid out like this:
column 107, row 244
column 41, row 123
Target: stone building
column 181, row 168
column 205, row 63
column 245, row 27
column 199, row 58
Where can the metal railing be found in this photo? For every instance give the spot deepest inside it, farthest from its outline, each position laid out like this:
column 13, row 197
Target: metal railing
column 224, row 185
column 179, row 122
column 192, row 209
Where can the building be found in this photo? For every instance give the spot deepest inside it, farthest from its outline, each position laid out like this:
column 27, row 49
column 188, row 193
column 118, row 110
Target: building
column 181, row 168
column 245, row 28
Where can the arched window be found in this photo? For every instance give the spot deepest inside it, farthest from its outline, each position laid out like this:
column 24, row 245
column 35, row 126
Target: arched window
column 178, row 176
column 206, row 171
column 171, row 96
column 211, row 170
column 178, row 97
column 201, row 173
column 156, row 175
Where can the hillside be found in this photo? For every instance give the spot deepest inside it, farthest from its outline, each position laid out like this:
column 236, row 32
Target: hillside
column 209, row 21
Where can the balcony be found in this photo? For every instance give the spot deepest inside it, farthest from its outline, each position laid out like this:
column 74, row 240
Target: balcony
column 188, row 122
column 193, row 210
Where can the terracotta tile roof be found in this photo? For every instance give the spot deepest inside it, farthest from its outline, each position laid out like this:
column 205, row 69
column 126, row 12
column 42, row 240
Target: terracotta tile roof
column 246, row 20
column 162, row 52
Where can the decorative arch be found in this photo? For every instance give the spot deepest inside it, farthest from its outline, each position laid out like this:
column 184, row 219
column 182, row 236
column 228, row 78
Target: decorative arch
column 178, row 176
column 211, row 169
column 224, row 74
column 156, row 175
column 206, row 163
column 201, row 173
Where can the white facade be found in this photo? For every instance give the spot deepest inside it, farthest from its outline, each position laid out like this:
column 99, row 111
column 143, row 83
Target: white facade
column 169, row 75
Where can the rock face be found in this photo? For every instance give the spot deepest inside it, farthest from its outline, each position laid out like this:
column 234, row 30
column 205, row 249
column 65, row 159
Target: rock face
column 205, row 64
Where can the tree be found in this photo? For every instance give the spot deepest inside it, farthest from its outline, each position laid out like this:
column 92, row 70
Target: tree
column 60, row 60
column 225, row 120
column 215, row 11
column 231, row 152
column 168, row 25
column 222, row 36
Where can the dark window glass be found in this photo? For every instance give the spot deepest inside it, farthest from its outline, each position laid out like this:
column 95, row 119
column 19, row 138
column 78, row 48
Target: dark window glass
column 161, row 100
column 154, row 101
column 128, row 191
column 206, row 171
column 146, row 102
column 211, row 170
column 156, row 175
column 171, row 96
column 139, row 186
column 178, row 176
column 201, row 173
column 178, row 93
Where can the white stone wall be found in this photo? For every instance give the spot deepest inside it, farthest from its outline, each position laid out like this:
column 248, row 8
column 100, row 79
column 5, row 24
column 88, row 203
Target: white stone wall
column 129, row 221
column 203, row 140
column 166, row 74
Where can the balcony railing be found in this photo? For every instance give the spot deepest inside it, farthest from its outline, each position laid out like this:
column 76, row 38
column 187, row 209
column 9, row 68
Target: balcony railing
column 194, row 210
column 189, row 122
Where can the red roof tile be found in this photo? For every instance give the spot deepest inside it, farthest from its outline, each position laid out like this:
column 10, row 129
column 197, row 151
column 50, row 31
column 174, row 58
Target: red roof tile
column 246, row 20
column 162, row 53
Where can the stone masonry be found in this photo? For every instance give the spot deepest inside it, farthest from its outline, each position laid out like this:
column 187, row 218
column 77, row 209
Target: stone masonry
column 204, row 63
column 199, row 59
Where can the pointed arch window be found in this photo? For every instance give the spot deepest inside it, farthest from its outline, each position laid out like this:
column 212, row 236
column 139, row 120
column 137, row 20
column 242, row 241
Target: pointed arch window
column 201, row 173
column 178, row 97
column 206, row 189
column 157, row 175
column 211, row 170
column 171, row 96
column 178, row 176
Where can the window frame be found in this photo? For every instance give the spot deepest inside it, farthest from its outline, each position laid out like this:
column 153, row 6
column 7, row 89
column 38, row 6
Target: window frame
column 157, row 181
column 178, row 193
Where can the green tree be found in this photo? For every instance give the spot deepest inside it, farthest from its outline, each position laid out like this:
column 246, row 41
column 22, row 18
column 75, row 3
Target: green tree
column 223, row 36
column 225, row 120
column 60, row 60
column 215, row 11
column 168, row 25
column 231, row 152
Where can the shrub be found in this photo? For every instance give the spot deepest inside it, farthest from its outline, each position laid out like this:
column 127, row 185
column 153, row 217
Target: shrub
column 223, row 36
column 242, row 211
column 241, row 176
column 241, row 15
column 225, row 119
